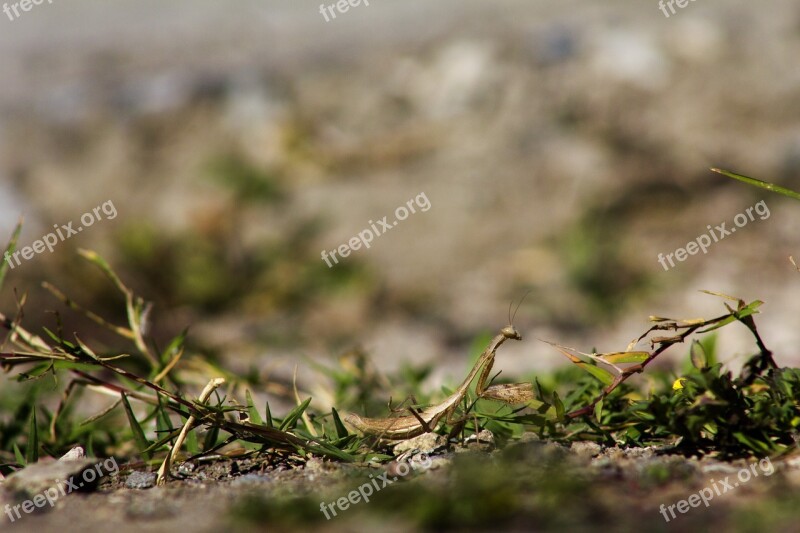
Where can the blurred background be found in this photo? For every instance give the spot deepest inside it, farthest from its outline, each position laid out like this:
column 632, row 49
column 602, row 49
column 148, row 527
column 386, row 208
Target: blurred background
column 562, row 147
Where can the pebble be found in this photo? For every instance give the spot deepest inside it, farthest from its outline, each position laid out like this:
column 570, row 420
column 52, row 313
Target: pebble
column 425, row 443
column 586, row 449
column 250, row 480
column 484, row 440
column 140, row 480
column 75, row 453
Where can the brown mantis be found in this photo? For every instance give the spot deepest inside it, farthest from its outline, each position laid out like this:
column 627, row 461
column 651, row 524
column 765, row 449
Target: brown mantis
column 425, row 420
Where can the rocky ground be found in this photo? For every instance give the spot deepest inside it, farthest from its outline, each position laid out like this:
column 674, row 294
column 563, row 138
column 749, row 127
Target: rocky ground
column 531, row 485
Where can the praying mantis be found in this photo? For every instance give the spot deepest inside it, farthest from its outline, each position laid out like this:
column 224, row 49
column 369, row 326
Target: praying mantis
column 427, row 419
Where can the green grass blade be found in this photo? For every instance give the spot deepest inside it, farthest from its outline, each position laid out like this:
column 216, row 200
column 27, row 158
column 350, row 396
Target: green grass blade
column 138, row 433
column 270, row 422
column 758, row 183
column 341, row 431
column 748, row 310
column 295, row 414
column 174, row 347
column 19, row 457
column 598, row 412
column 252, row 412
column 164, row 440
column 601, row 374
column 12, row 245
column 625, row 357
column 163, row 422
column 605, row 377
column 192, row 446
column 94, row 258
column 324, row 448
column 212, row 436
column 32, row 450
column 559, row 406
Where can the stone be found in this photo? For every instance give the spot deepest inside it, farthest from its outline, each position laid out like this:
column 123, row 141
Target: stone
column 426, row 443
column 49, row 474
column 140, row 480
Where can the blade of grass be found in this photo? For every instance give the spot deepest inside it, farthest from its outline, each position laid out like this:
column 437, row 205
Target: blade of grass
column 12, row 245
column 306, row 419
column 270, row 422
column 625, row 357
column 32, row 450
column 294, row 415
column 191, row 444
column 325, row 448
column 559, row 406
column 210, row 441
column 341, row 431
column 598, row 411
column 101, row 414
column 758, row 183
column 604, row 376
column 252, row 412
column 135, row 306
column 138, row 433
column 66, row 300
column 90, row 446
column 163, row 423
column 174, row 347
column 163, row 441
column 18, row 456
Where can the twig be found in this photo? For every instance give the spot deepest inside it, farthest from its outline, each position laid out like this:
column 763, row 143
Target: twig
column 165, row 466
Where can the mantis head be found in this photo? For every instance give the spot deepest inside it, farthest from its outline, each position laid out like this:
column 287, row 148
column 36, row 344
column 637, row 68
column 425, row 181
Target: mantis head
column 510, row 332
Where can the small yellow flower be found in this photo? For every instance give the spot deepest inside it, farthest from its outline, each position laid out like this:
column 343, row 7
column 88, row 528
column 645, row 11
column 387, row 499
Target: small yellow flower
column 678, row 385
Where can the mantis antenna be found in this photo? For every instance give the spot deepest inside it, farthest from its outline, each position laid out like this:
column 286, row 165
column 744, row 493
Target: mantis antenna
column 510, row 317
